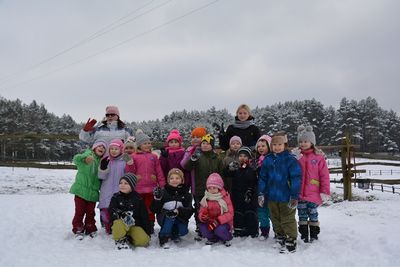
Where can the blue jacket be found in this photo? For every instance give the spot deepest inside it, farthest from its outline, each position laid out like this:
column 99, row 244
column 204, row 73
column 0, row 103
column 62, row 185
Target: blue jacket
column 280, row 177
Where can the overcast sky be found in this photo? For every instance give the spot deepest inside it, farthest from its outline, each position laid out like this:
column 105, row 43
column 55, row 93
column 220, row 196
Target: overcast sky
column 167, row 56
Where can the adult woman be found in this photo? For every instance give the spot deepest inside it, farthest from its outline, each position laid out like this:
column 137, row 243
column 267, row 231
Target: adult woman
column 110, row 128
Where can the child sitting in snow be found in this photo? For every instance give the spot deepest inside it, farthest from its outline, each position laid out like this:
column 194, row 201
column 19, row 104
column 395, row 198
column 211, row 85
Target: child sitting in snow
column 173, row 206
column 86, row 190
column 130, row 223
column 216, row 212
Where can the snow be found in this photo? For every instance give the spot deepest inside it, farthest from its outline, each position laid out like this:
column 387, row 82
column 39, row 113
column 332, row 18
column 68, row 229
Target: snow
column 37, row 211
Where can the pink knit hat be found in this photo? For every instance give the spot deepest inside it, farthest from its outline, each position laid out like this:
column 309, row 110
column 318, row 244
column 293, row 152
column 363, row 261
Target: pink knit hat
column 175, row 135
column 112, row 110
column 215, row 180
column 117, row 143
column 235, row 138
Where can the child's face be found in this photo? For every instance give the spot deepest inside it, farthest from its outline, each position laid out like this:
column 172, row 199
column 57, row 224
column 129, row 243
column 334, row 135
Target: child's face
column 278, row 148
column 213, row 189
column 99, row 151
column 115, row 151
column 174, row 180
column 130, row 149
column 243, row 158
column 146, row 147
column 173, row 143
column 262, row 148
column 124, row 186
column 305, row 145
column 205, row 146
column 235, row 145
column 242, row 114
column 195, row 141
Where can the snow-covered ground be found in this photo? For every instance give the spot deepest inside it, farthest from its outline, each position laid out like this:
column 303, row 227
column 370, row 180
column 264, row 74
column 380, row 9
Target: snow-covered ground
column 35, row 230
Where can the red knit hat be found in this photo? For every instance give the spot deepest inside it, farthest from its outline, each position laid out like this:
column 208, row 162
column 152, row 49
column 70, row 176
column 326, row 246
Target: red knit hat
column 199, row 132
column 175, row 135
column 215, row 180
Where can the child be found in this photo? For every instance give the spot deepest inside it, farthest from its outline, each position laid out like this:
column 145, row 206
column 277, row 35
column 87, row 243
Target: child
column 243, row 127
column 315, row 183
column 130, row 145
column 86, row 190
column 203, row 162
column 172, row 155
column 262, row 149
column 279, row 183
column 130, row 223
column 229, row 156
column 173, row 206
column 146, row 166
column 244, row 194
column 216, row 212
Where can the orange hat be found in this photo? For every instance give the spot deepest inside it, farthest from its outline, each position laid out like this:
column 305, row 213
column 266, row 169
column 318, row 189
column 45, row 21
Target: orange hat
column 199, row 132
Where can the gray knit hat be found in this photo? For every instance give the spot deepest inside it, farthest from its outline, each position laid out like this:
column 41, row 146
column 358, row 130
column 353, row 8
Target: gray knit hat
column 141, row 138
column 305, row 133
column 246, row 150
column 131, row 179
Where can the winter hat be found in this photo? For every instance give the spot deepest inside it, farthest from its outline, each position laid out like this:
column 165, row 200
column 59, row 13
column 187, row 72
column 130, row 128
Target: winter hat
column 235, row 138
column 246, row 150
column 175, row 135
column 141, row 137
column 266, row 138
column 305, row 133
column 215, row 180
column 279, row 138
column 117, row 143
column 178, row 172
column 209, row 138
column 199, row 132
column 99, row 142
column 130, row 141
column 130, row 178
column 112, row 110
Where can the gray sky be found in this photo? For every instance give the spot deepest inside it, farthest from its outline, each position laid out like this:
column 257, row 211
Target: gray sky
column 258, row 52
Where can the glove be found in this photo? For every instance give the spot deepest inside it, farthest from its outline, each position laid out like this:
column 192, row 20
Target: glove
column 171, row 213
column 157, row 192
column 89, row 125
column 261, row 200
column 297, row 153
column 292, row 204
column 203, row 217
column 212, row 225
column 196, row 155
column 127, row 158
column 233, row 166
column 127, row 218
column 104, row 163
column 163, row 152
column 248, row 196
column 324, row 197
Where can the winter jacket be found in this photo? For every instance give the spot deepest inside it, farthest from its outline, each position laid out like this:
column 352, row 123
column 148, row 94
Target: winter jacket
column 174, row 161
column 172, row 198
column 213, row 210
column 110, row 180
column 106, row 132
column 191, row 174
column 147, row 168
column 315, row 176
column 87, row 184
column 121, row 202
column 249, row 135
column 207, row 163
column 280, row 177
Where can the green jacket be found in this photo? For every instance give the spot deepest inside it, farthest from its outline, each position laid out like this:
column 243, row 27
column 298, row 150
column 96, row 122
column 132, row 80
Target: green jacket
column 87, row 184
column 208, row 163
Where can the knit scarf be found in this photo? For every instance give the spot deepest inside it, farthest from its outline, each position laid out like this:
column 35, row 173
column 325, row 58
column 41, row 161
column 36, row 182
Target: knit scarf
column 243, row 124
column 260, row 160
column 217, row 197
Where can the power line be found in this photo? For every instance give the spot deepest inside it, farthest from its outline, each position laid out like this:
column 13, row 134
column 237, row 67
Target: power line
column 106, row 29
column 114, row 46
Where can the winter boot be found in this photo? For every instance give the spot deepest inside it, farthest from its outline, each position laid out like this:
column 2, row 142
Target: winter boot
column 291, row 245
column 227, row 243
column 280, row 241
column 303, row 230
column 122, row 243
column 264, row 233
column 151, row 227
column 314, row 231
column 164, row 241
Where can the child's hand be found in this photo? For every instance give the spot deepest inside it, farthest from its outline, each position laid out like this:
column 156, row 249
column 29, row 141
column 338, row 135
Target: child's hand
column 127, row 218
column 212, row 225
column 248, row 196
column 171, row 213
column 157, row 192
column 297, row 153
column 203, row 217
column 324, row 197
column 196, row 155
column 104, row 163
column 127, row 158
column 163, row 152
column 89, row 159
column 261, row 200
column 233, row 166
column 292, row 204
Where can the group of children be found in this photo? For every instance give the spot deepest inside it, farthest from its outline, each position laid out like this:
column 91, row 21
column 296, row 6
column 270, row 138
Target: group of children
column 235, row 193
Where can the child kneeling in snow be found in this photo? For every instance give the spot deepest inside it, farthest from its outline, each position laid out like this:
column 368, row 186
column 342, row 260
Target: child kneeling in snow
column 130, row 222
column 216, row 212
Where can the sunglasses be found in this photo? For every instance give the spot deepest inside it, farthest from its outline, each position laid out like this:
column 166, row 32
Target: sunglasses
column 111, row 115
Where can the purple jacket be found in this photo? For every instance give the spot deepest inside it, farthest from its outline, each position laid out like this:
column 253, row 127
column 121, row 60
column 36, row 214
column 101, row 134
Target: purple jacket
column 110, row 180
column 174, row 161
column 186, row 156
column 315, row 176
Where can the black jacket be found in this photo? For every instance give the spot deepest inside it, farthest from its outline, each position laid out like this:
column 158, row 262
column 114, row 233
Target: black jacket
column 249, row 135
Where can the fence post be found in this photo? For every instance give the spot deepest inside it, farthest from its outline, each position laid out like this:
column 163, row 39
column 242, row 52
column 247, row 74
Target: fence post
column 393, row 189
column 372, row 186
column 382, row 187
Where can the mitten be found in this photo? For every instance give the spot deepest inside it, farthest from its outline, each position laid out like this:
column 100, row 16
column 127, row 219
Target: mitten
column 171, row 213
column 233, row 166
column 324, row 197
column 126, row 157
column 157, row 192
column 247, row 196
column 297, row 153
column 212, row 225
column 163, row 152
column 261, row 200
column 203, row 217
column 292, row 203
column 104, row 163
column 89, row 125
column 196, row 155
column 127, row 218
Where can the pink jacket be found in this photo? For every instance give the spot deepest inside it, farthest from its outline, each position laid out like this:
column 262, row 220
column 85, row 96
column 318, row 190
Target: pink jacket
column 147, row 168
column 315, row 176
